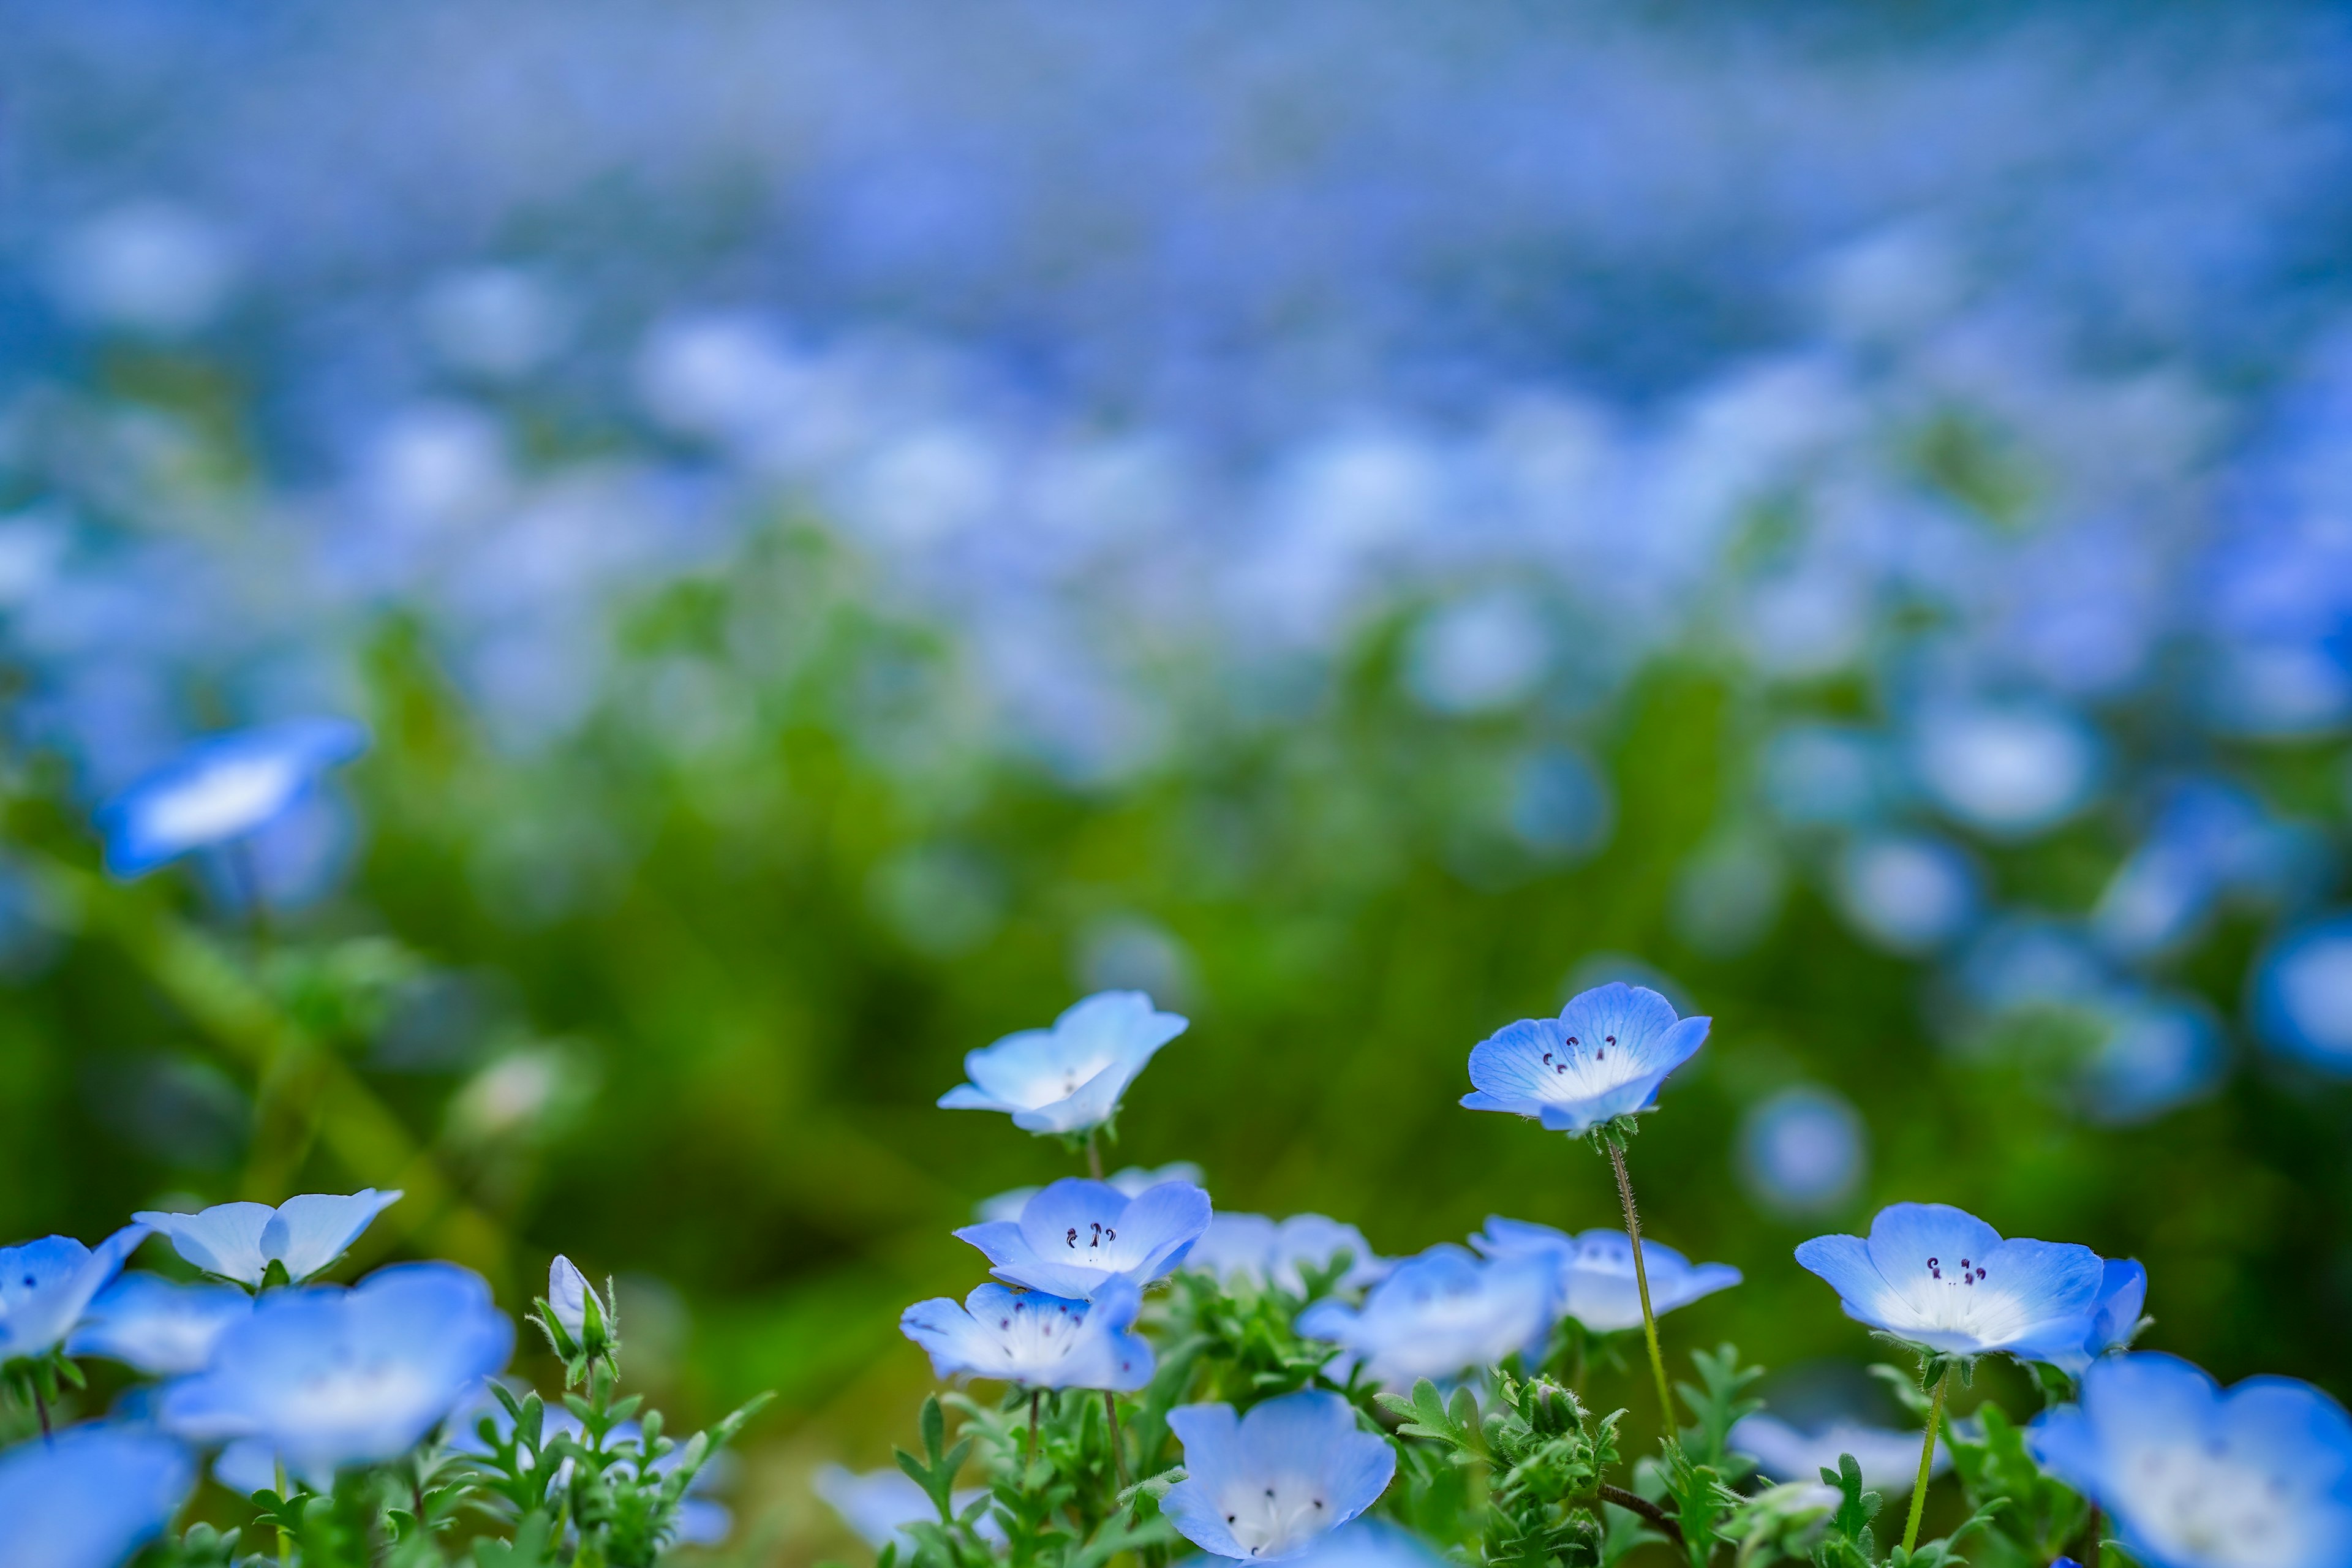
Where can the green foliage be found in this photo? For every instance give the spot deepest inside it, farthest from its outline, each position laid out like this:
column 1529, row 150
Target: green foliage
column 2036, row 1514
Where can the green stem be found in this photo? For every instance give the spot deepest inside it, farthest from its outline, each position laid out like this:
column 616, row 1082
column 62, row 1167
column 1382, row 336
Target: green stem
column 1118, row 1449
column 285, row 1538
column 41, row 1409
column 1641, row 1282
column 1029, row 1457
column 1927, row 1461
column 1094, row 1156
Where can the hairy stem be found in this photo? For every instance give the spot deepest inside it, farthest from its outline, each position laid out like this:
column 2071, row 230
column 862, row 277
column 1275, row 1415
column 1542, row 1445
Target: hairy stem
column 1031, row 1452
column 1641, row 1282
column 1118, row 1449
column 1926, row 1459
column 1635, row 1502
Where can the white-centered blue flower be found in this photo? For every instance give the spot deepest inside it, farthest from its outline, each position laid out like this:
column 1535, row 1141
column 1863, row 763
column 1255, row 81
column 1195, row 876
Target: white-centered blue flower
column 2193, row 1476
column 1939, row 1277
column 2007, row 769
column 1440, row 1314
column 161, row 1327
column 47, row 1285
column 89, row 1499
column 326, row 1376
column 1034, row 1339
column 1266, row 1252
column 1889, row 1458
column 221, row 789
column 2115, row 1316
column 1370, row 1543
column 1133, row 1179
column 240, row 1241
column 1272, row 1484
column 1076, row 1235
column 1595, row 1270
column 1803, row 1150
column 1909, row 892
column 1604, row 1056
column 1069, row 1078
column 880, row 1504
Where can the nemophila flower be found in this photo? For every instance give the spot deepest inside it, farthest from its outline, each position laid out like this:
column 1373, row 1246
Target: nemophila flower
column 1369, row 1544
column 1270, row 1485
column 304, row 1235
column 1597, row 1286
column 1134, row 1180
column 1441, row 1313
column 2115, row 1319
column 585, row 1320
column 2008, row 769
column 162, row 1328
column 1941, row 1277
column 1889, row 1460
column 1076, row 1235
column 222, row 789
column 1269, row 1253
column 1034, row 1339
column 89, row 1499
column 327, row 1376
column 2302, row 996
column 1067, row 1079
column 47, row 1285
column 880, row 1504
column 2259, row 1476
column 1803, row 1150
column 1604, row 1056
column 1909, row 892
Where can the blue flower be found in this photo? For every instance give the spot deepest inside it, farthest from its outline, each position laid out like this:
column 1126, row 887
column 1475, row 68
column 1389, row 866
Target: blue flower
column 1272, row 1484
column 240, row 1241
column 326, row 1376
column 1803, row 1148
column 1604, row 1056
column 1889, row 1458
column 1254, row 1247
column 221, row 789
column 2193, row 1476
column 1940, row 1278
column 1134, row 1180
column 1909, row 892
column 162, row 1328
column 1076, row 1235
column 1596, row 1271
column 880, row 1504
column 1035, row 1340
column 2115, row 1316
column 1441, row 1314
column 2302, row 996
column 91, row 1499
column 1067, row 1079
column 1370, row 1543
column 47, row 1285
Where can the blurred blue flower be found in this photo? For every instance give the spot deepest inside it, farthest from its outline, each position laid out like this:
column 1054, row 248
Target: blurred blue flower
column 1827, row 775
column 239, row 1241
column 47, row 1285
column 1252, row 1248
column 222, row 789
column 1803, row 1150
column 1067, row 1079
column 1604, row 1056
column 1941, row 1277
column 1035, row 1340
column 1907, row 892
column 878, row 1505
column 1478, row 655
column 1596, row 1282
column 2115, row 1316
column 1133, row 1179
column 1269, row 1485
column 2155, row 1054
column 1441, row 1313
column 1559, row 803
column 326, row 1376
column 2195, row 1476
column 1076, row 1235
column 161, row 1327
column 89, row 1499
column 2207, row 837
column 2302, row 994
column 2009, row 770
column 1889, row 1458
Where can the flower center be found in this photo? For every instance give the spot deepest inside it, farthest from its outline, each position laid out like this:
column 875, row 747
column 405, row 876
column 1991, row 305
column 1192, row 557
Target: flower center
column 1269, row 1519
column 1581, row 1069
column 2206, row 1505
column 1032, row 1336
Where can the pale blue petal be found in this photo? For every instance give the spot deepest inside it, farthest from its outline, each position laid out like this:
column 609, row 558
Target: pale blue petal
column 90, row 1498
column 222, row 1240
column 309, row 1232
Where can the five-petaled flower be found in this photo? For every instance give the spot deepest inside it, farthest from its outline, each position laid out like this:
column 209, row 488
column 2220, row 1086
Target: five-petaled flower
column 1035, row 1340
column 1596, row 1271
column 1938, row 1277
column 89, row 1499
column 1078, row 1236
column 1441, row 1314
column 1067, row 1079
column 47, row 1285
column 327, row 1376
column 2257, row 1477
column 221, row 789
column 303, row 1236
column 162, row 1328
column 1604, row 1056
column 1271, row 1484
